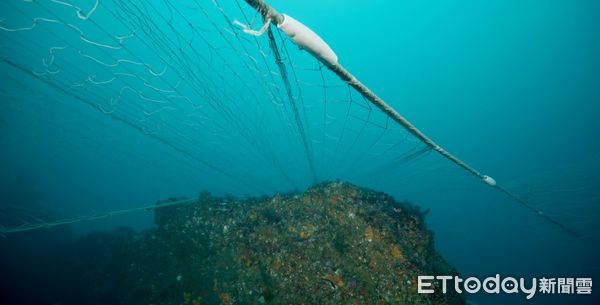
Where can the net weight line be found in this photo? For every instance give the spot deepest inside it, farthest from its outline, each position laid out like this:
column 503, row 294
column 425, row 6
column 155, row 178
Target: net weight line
column 271, row 15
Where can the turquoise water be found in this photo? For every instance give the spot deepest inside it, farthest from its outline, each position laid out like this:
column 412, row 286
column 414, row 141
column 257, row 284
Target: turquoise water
column 107, row 120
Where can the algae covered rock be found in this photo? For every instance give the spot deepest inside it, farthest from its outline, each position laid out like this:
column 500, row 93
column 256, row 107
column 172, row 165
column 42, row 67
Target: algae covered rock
column 333, row 244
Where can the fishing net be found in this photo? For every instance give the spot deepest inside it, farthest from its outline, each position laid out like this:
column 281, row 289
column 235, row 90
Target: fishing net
column 249, row 114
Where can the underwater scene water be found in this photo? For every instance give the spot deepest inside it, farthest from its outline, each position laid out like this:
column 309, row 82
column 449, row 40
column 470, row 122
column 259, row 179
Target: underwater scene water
column 219, row 152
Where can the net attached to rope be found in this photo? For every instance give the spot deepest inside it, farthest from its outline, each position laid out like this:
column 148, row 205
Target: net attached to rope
column 251, row 111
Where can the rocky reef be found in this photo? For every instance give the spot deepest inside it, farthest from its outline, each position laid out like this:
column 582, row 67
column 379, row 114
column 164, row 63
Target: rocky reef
column 333, row 244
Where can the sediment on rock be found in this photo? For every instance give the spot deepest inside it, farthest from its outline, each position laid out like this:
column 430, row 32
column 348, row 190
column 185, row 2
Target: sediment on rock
column 333, row 244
